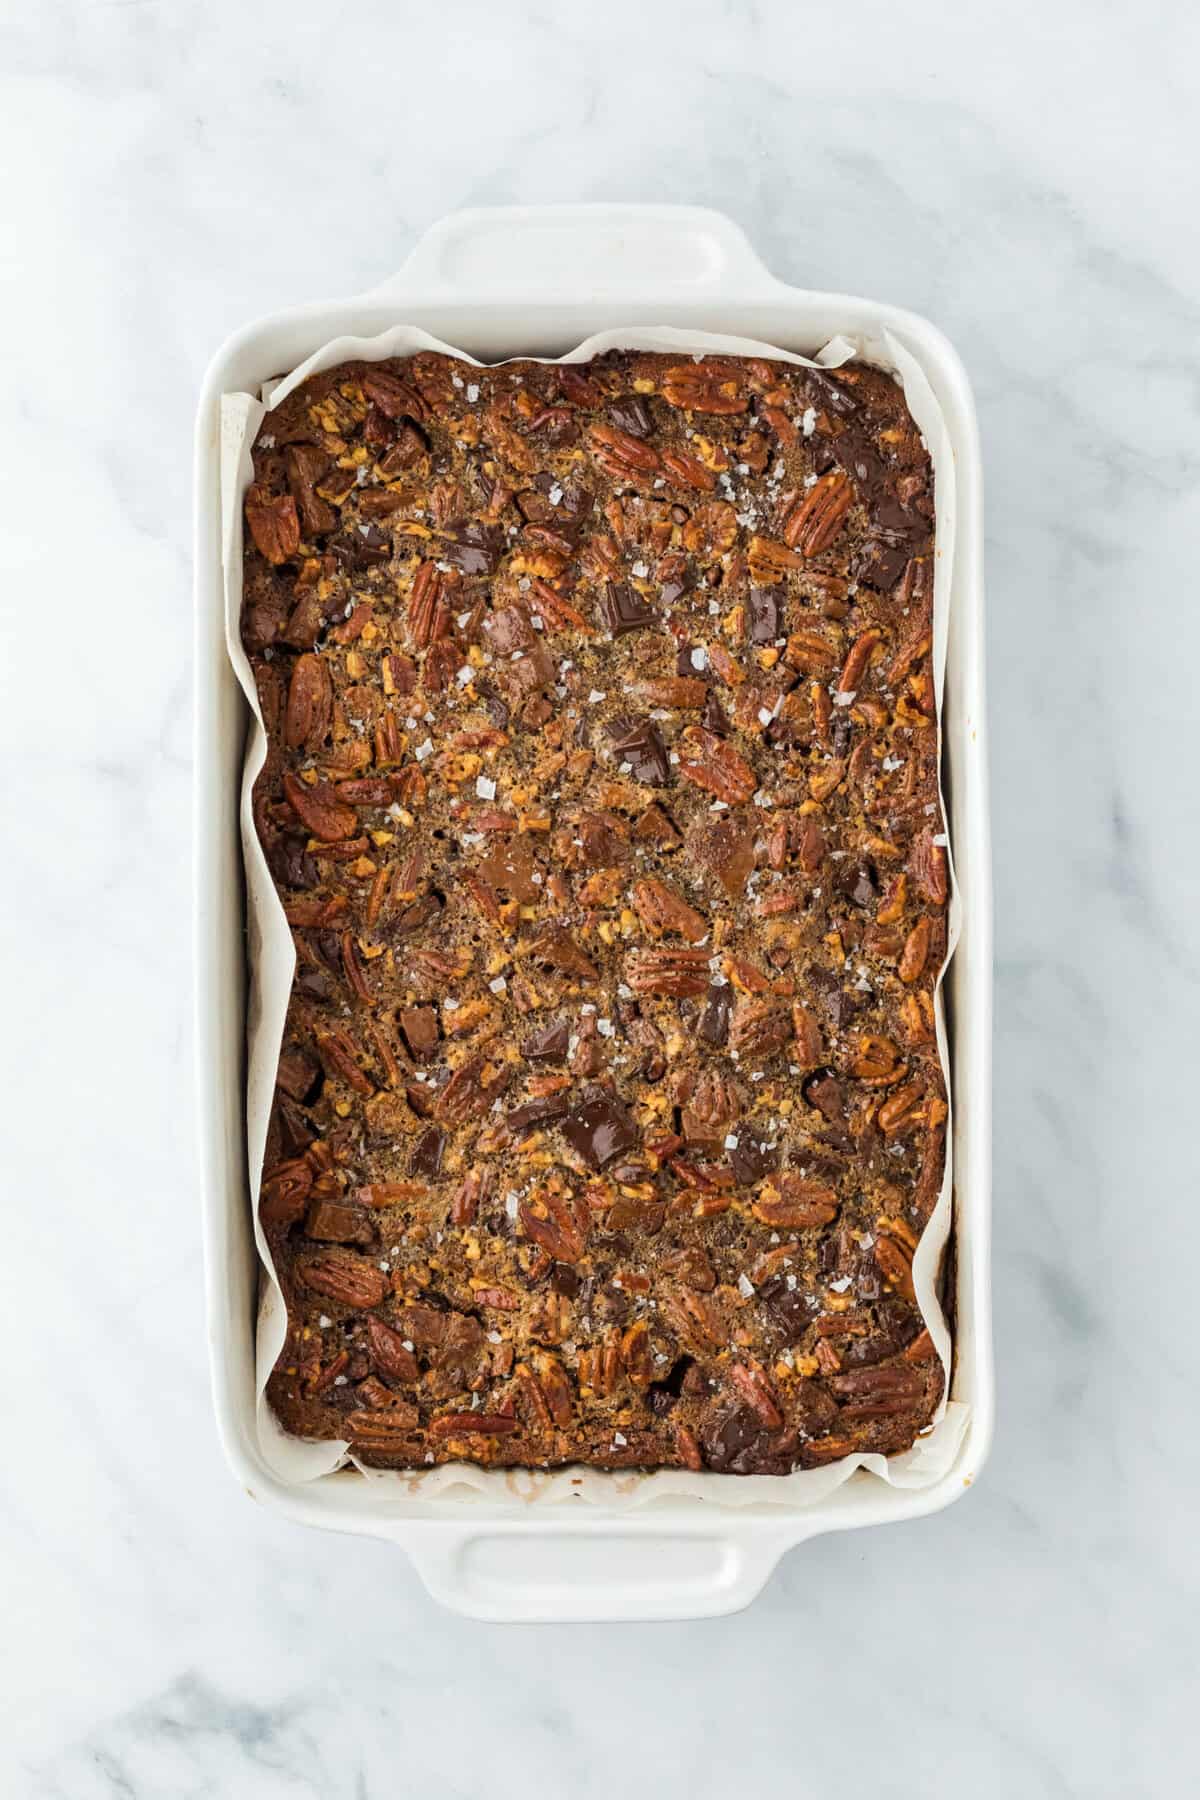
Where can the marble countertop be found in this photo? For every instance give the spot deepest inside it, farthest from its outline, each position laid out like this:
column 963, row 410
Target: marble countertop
column 1031, row 183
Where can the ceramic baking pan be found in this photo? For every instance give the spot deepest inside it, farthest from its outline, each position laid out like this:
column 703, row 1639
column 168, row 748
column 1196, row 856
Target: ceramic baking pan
column 533, row 281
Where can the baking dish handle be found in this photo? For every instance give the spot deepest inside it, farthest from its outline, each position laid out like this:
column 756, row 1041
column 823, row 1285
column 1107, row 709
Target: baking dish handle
column 585, row 1572
column 533, row 253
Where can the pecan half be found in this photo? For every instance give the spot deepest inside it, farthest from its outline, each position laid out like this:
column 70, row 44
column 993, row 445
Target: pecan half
column 816, row 522
column 347, row 1279
column 714, row 765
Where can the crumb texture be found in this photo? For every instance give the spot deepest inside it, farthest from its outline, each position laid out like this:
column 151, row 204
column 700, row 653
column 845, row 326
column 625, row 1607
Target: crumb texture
column 601, row 798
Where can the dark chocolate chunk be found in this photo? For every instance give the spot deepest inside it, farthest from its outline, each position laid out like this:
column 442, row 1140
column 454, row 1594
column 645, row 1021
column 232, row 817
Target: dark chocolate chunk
column 549, row 1045
column 765, row 615
column 856, row 880
column 735, row 1443
column 299, row 1073
column 541, row 1111
column 632, row 415
column 881, row 565
column 714, row 1020
column 713, row 716
column 825, row 1093
column 790, row 1309
column 622, row 609
column 291, row 864
column 422, row 1098
column 474, row 548
column 565, row 1280
column 314, row 984
column 687, row 668
column 599, row 1129
column 361, row 547
column 427, row 1152
column 751, row 1158
column 638, row 743
column 497, row 712
column 827, row 393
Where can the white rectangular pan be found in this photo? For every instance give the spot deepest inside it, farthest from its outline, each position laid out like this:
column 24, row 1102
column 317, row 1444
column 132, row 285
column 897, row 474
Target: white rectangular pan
column 517, row 281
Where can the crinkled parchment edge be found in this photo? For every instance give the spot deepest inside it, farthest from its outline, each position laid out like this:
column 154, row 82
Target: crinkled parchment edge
column 271, row 961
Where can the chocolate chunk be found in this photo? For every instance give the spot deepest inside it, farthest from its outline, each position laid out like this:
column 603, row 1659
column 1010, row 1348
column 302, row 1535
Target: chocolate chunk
column 330, row 1223
column 839, row 1006
column 361, row 547
column 498, row 714
column 291, row 865
column 828, row 394
column 765, row 615
column 870, row 475
column 713, row 716
column 599, row 1129
column 565, row 1280
column 735, row 1443
column 881, row 565
column 714, row 1020
column 422, row 1098
column 314, row 984
column 542, row 1111
column 856, row 880
column 427, row 1152
column 823, row 1092
column 549, row 1045
column 631, row 415
column 790, row 1309
column 638, row 743
column 410, row 446
column 474, row 548
column 299, row 1073
column 751, row 1158
column 622, row 609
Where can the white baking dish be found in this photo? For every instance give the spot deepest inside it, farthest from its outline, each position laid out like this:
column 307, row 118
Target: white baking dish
column 535, row 281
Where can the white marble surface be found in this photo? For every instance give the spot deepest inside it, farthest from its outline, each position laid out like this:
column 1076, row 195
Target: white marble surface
column 1028, row 177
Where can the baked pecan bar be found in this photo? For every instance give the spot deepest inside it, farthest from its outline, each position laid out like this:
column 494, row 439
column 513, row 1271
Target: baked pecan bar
column 601, row 798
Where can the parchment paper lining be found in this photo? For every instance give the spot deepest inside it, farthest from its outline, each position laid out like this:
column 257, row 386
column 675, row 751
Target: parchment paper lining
column 272, row 963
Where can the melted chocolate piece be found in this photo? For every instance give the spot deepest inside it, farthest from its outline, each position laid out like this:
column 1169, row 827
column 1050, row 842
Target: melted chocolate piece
column 542, row 1111
column 474, row 548
column 881, row 565
column 427, row 1152
column 600, row 1129
column 765, row 615
column 790, row 1309
column 713, row 717
column 714, row 1020
column 752, row 1158
column 829, row 395
column 632, row 415
column 623, row 610
column 735, row 1443
column 549, row 1045
column 639, row 744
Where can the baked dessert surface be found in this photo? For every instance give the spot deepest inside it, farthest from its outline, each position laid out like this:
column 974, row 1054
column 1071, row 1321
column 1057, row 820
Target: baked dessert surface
column 601, row 797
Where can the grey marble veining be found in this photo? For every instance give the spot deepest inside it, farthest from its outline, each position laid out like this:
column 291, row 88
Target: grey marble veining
column 1029, row 179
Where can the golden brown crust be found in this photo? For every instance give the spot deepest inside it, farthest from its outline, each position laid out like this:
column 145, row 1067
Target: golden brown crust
column 601, row 797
